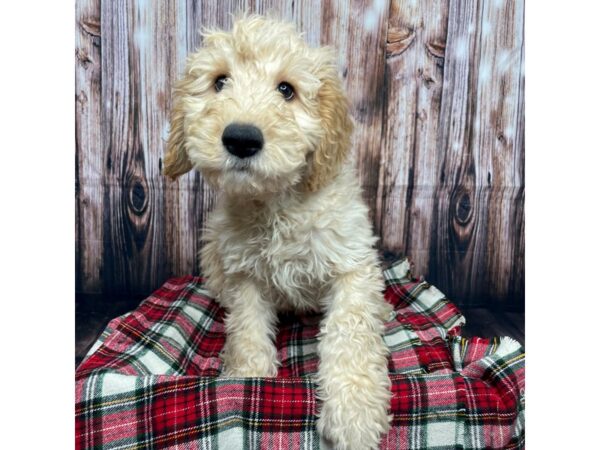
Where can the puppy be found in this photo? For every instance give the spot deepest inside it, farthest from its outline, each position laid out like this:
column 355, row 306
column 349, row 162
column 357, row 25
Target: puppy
column 264, row 118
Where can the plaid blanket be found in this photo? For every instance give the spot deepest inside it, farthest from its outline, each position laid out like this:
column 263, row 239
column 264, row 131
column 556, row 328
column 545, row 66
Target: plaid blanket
column 152, row 379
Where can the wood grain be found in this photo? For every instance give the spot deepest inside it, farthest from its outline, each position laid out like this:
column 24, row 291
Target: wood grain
column 459, row 230
column 88, row 146
column 436, row 89
column 410, row 165
column 480, row 185
column 133, row 116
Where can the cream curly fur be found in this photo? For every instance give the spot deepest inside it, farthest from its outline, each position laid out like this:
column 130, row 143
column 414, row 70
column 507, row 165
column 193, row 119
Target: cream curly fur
column 290, row 230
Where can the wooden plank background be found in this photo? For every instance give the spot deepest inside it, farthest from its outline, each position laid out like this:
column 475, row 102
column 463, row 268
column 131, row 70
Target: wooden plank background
column 437, row 93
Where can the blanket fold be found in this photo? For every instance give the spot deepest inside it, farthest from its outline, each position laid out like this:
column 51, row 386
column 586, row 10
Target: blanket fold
column 152, row 380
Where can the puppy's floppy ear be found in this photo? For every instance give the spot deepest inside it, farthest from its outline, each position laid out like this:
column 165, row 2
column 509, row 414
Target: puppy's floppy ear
column 176, row 159
column 333, row 108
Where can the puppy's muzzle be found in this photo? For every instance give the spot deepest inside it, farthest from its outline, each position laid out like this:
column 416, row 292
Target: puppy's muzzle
column 242, row 140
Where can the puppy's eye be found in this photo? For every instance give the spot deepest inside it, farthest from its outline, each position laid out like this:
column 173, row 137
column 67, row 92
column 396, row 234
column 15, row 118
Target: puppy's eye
column 286, row 90
column 220, row 82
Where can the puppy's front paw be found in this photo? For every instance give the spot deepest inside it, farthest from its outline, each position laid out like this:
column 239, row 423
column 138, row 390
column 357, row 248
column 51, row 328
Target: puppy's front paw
column 249, row 360
column 354, row 413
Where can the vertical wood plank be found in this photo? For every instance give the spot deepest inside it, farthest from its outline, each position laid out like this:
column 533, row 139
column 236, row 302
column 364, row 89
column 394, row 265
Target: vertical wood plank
column 157, row 34
column 135, row 68
column 459, row 228
column 117, row 133
column 88, row 147
column 410, row 165
column 498, row 132
column 183, row 198
column 475, row 239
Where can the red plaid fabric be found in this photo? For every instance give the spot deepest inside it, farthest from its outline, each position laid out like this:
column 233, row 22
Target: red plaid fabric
column 153, row 379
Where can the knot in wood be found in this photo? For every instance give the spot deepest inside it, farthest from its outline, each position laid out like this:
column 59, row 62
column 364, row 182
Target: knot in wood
column 138, row 197
column 463, row 208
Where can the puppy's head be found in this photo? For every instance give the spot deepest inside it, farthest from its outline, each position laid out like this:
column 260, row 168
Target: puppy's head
column 258, row 112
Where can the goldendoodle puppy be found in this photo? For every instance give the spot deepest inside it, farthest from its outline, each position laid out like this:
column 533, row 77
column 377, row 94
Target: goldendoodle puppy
column 264, row 118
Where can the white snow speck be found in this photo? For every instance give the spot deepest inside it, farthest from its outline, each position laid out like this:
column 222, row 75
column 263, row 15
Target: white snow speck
column 141, row 38
column 486, row 28
column 370, row 20
column 165, row 131
column 461, row 49
column 372, row 15
column 485, row 71
column 505, row 58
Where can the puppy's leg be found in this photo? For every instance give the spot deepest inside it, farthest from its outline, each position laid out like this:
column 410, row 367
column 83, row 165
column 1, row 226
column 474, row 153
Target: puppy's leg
column 250, row 325
column 353, row 380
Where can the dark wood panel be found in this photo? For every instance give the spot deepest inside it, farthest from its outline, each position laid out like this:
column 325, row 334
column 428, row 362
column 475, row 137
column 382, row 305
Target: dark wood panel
column 134, row 91
column 88, row 146
column 410, row 164
column 472, row 246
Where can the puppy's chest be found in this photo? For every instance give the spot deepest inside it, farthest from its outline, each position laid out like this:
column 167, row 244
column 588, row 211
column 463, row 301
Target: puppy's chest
column 287, row 258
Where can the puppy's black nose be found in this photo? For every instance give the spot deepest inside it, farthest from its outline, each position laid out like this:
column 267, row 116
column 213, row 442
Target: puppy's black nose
column 242, row 140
